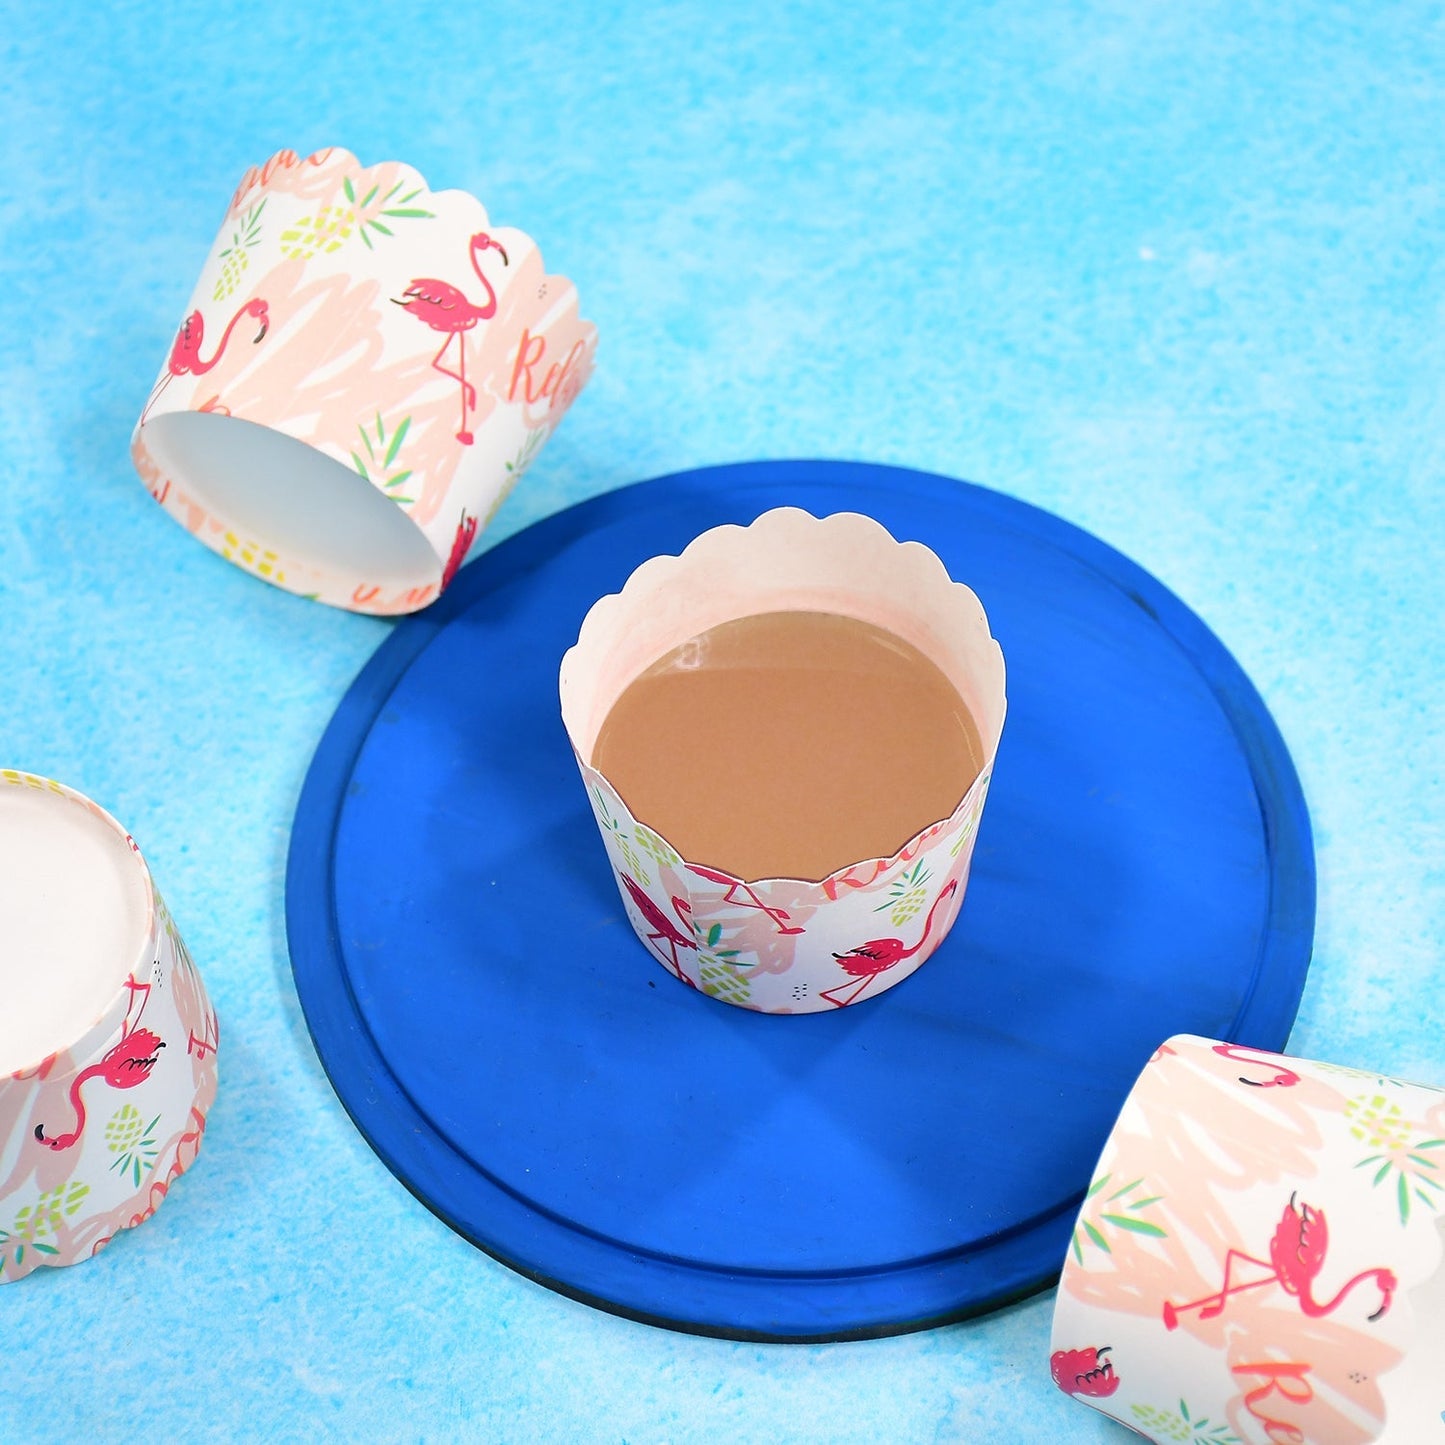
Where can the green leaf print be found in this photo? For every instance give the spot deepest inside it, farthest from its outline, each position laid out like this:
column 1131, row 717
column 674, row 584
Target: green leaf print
column 1416, row 1164
column 630, row 856
column 1135, row 1226
column 381, row 456
column 1178, row 1425
column 1126, row 1217
column 907, row 894
column 235, row 257
column 35, row 1221
column 330, row 227
column 132, row 1142
column 398, row 436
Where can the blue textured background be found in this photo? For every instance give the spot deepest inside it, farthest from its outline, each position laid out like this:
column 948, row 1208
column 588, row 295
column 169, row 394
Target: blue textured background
column 1171, row 270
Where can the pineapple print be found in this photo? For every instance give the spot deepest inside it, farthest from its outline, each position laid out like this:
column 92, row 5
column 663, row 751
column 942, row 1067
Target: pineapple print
column 515, row 468
column 906, row 895
column 1180, row 1425
column 253, row 556
column 37, row 1220
column 725, row 981
column 630, row 856
column 525, row 456
column 718, row 975
column 133, row 1142
column 243, row 239
column 971, row 821
column 1377, row 1122
column 326, row 230
column 655, row 845
column 124, row 1129
column 329, row 227
column 1413, row 1166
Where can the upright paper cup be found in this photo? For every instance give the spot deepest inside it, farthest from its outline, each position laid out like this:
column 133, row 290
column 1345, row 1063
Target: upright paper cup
column 1259, row 1258
column 107, row 1040
column 784, row 945
column 366, row 369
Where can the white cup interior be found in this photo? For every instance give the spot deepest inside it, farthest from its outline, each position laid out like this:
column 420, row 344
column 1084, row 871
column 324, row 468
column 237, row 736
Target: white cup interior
column 74, row 915
column 292, row 499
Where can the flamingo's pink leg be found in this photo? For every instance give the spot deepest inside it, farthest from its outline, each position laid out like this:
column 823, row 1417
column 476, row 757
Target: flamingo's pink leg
column 776, row 914
column 1212, row 1305
column 852, row 997
column 136, row 988
column 672, row 946
column 469, row 392
column 201, row 1047
column 464, row 436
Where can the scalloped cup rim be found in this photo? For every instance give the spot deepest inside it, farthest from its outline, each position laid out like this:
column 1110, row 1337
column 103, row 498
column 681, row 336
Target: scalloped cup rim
column 599, row 627
column 326, row 152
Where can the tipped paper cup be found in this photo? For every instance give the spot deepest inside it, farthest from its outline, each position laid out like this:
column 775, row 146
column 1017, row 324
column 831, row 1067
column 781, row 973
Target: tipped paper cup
column 1259, row 1257
column 107, row 1040
column 785, row 945
column 366, row 369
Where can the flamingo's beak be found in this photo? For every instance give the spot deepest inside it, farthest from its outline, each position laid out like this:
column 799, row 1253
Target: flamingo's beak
column 497, row 246
column 260, row 335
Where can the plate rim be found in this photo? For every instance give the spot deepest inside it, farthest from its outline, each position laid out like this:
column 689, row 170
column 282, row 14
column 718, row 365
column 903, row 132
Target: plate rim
column 310, row 870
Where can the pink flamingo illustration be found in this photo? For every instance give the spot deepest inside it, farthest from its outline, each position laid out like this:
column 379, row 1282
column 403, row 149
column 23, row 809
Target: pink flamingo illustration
column 461, row 545
column 444, row 308
column 185, row 358
column 878, row 955
column 751, row 901
column 1284, row 1078
column 208, row 1041
column 664, row 930
column 1084, row 1372
column 1296, row 1256
column 129, row 1063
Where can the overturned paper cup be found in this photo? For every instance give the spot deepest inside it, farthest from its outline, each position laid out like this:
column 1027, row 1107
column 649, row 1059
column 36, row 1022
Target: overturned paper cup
column 366, row 369
column 107, row 1039
column 1261, row 1255
column 769, row 943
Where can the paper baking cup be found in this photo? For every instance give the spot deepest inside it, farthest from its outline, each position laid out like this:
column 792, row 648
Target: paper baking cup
column 783, row 945
column 366, row 369
column 107, row 1040
column 1259, row 1258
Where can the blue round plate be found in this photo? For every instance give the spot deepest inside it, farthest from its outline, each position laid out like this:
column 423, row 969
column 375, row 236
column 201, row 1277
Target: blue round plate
column 521, row 1063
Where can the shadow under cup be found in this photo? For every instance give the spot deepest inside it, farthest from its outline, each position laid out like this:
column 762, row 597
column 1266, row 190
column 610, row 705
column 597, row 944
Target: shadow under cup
column 107, row 1040
column 782, row 944
column 1260, row 1254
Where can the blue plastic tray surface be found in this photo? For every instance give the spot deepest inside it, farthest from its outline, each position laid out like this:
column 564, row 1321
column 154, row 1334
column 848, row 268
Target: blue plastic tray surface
column 509, row 1050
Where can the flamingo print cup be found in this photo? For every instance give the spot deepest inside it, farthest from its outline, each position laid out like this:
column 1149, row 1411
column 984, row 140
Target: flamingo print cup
column 1259, row 1256
column 107, row 1040
column 787, row 945
column 365, row 370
